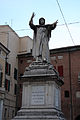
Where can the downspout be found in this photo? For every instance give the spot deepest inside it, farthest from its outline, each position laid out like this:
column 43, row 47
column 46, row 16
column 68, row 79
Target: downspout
column 71, row 106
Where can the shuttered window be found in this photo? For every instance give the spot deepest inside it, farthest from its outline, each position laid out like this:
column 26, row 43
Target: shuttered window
column 79, row 77
column 15, row 89
column 55, row 67
column 7, row 85
column 15, row 73
column 8, row 68
column 1, row 74
column 60, row 70
column 66, row 93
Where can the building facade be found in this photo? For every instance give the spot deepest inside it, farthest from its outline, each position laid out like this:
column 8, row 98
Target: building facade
column 3, row 54
column 11, row 41
column 66, row 62
column 14, row 43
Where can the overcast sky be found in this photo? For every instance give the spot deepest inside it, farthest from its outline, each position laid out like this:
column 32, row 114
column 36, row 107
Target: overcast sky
column 17, row 13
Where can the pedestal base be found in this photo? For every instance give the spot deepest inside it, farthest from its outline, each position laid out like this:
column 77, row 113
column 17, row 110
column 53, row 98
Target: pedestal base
column 39, row 114
column 41, row 93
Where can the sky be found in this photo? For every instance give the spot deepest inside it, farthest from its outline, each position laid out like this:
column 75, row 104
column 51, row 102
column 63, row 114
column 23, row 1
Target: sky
column 17, row 13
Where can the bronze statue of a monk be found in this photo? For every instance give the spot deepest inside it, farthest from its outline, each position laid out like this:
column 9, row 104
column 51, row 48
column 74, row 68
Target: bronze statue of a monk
column 42, row 34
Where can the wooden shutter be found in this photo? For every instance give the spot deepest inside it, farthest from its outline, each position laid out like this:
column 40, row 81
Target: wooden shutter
column 60, row 70
column 8, row 85
column 15, row 73
column 15, row 89
column 1, row 74
column 8, row 68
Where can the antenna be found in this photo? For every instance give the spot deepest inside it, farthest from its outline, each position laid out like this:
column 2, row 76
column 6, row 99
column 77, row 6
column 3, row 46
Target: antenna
column 11, row 22
column 6, row 23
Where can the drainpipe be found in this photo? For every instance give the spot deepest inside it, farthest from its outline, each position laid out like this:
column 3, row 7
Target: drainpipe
column 71, row 106
column 7, row 40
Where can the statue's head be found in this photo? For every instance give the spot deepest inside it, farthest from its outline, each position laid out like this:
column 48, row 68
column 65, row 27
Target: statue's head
column 42, row 21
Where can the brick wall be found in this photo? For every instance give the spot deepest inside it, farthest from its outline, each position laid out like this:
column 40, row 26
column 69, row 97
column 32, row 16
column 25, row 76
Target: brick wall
column 69, row 59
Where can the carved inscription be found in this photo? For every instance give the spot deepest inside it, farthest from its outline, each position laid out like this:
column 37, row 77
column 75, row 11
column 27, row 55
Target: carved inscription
column 37, row 97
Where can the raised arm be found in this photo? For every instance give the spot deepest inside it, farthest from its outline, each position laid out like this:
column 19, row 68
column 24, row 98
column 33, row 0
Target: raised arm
column 54, row 25
column 31, row 21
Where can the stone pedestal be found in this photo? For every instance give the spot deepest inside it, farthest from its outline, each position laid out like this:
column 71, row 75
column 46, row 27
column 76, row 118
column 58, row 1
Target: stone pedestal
column 41, row 97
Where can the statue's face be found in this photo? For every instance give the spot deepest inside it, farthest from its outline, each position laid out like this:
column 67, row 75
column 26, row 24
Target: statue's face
column 41, row 21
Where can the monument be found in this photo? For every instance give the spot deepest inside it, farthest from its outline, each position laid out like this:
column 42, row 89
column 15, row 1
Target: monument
column 41, row 96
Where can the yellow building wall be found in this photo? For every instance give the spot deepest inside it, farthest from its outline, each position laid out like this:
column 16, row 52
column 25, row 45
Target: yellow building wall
column 2, row 62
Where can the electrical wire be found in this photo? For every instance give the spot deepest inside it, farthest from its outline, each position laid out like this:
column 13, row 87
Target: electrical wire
column 69, row 23
column 24, row 29
column 65, row 22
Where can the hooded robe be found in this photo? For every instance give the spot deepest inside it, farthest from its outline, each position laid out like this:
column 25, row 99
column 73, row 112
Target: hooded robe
column 42, row 34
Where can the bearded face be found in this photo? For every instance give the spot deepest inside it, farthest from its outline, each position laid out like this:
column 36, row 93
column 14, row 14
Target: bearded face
column 41, row 21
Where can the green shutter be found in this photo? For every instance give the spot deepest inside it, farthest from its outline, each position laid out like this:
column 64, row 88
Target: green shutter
column 8, row 85
column 15, row 73
column 1, row 79
column 6, row 68
column 15, row 89
column 9, row 69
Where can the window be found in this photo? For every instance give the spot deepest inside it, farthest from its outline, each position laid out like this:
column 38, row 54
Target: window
column 79, row 77
column 5, row 114
column 8, row 68
column 1, row 74
column 66, row 93
column 78, row 117
column 60, row 70
column 20, row 86
column 15, row 89
column 15, row 73
column 78, row 94
column 21, row 61
column 60, row 57
column 54, row 67
column 12, row 113
column 7, row 85
column 53, row 58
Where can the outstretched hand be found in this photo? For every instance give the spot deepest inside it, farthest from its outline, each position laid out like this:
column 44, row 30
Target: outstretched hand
column 33, row 14
column 56, row 22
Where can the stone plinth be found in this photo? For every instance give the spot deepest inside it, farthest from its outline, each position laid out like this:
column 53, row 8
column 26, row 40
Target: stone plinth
column 41, row 97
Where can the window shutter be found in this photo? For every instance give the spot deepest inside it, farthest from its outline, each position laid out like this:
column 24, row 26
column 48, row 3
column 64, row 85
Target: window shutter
column 60, row 70
column 15, row 89
column 79, row 77
column 66, row 93
column 8, row 85
column 55, row 67
column 1, row 74
column 15, row 73
column 8, row 68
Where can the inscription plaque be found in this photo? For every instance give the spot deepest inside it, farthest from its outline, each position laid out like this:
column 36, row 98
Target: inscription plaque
column 37, row 97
